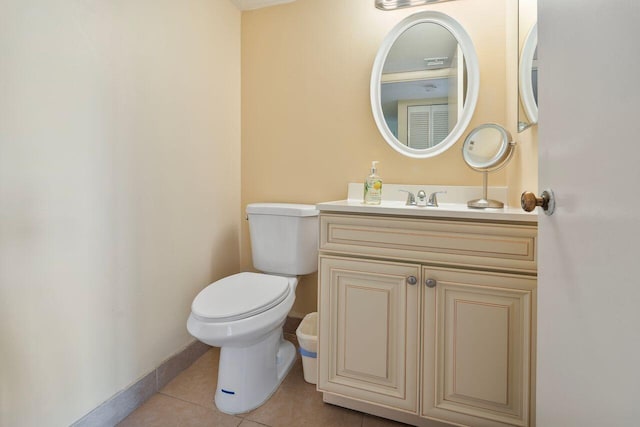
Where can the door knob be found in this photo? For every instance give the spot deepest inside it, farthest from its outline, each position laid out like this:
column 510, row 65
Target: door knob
column 412, row 280
column 430, row 283
column 546, row 201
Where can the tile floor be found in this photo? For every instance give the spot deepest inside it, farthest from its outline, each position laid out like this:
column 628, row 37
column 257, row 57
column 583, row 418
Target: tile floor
column 187, row 401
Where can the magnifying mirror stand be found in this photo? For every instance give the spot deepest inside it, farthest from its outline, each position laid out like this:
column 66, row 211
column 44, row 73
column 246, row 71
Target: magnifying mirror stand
column 485, row 202
column 486, row 149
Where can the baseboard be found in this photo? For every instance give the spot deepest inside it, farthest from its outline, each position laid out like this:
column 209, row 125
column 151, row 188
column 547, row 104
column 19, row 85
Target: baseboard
column 119, row 406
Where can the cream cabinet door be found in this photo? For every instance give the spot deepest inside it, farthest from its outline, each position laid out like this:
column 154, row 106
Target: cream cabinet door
column 477, row 342
column 369, row 330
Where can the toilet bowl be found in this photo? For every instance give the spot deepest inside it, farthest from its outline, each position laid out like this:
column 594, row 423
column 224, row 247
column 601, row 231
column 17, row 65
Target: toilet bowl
column 244, row 313
column 247, row 325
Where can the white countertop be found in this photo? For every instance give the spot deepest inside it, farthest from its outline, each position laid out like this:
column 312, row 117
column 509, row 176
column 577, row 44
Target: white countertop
column 451, row 205
column 444, row 210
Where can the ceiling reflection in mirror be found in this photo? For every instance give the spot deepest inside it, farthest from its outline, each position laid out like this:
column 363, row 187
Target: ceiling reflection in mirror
column 421, row 81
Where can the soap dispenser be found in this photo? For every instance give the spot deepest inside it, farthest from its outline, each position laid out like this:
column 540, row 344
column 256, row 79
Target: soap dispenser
column 373, row 186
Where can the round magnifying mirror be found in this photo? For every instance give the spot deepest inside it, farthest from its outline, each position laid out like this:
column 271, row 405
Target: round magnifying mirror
column 487, row 148
column 424, row 84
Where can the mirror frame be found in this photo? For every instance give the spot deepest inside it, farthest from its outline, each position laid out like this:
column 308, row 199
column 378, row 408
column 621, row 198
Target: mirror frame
column 502, row 156
column 526, row 87
column 473, row 82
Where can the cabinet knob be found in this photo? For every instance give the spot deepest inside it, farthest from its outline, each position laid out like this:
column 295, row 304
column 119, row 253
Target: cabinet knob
column 431, row 283
column 412, row 280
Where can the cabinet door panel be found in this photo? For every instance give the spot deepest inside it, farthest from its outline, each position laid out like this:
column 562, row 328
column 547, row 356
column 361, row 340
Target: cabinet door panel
column 477, row 341
column 365, row 315
column 368, row 337
column 477, row 326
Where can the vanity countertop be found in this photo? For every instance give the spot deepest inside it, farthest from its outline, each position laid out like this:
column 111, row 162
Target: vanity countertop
column 444, row 210
column 451, row 205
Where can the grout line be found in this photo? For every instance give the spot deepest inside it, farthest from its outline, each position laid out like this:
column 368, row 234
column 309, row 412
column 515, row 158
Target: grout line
column 186, row 401
column 255, row 422
column 241, row 417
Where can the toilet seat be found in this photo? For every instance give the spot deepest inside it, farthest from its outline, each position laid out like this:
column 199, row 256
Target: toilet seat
column 240, row 296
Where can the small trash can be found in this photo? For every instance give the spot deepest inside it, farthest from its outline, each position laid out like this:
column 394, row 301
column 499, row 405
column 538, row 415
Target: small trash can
column 307, row 334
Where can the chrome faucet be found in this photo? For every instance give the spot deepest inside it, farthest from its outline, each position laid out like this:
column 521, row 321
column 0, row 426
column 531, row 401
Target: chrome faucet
column 422, row 198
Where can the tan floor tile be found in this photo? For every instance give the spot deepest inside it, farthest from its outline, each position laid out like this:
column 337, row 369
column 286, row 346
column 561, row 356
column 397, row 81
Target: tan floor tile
column 373, row 421
column 164, row 411
column 247, row 423
column 297, row 403
column 197, row 384
column 187, row 401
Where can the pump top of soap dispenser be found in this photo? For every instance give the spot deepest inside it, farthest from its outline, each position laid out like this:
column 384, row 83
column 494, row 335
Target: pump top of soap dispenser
column 374, row 167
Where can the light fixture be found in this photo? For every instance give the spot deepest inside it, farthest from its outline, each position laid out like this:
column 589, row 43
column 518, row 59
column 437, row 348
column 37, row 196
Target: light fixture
column 436, row 61
column 398, row 4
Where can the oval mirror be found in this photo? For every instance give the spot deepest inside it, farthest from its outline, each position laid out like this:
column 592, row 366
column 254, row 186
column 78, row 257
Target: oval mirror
column 424, row 84
column 529, row 78
column 487, row 148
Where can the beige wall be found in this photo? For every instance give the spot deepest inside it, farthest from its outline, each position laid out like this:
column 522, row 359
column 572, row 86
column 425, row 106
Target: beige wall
column 523, row 171
column 307, row 127
column 119, row 191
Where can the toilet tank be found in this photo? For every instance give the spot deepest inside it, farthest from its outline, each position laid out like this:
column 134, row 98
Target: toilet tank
column 284, row 238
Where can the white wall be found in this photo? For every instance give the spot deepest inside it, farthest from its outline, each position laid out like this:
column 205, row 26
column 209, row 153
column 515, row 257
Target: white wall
column 588, row 293
column 119, row 191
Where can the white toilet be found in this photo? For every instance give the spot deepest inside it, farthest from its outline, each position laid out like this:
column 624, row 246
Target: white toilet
column 244, row 313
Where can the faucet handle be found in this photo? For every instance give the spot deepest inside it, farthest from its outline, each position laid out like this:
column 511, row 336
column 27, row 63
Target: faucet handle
column 433, row 198
column 411, row 198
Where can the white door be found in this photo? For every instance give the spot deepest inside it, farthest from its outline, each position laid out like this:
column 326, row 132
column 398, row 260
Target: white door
column 589, row 269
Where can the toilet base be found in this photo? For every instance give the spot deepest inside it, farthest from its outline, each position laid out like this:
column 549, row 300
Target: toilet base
column 248, row 376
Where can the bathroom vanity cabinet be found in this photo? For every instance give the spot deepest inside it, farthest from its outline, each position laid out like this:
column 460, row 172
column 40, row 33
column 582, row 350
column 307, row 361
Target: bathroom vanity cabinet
column 428, row 317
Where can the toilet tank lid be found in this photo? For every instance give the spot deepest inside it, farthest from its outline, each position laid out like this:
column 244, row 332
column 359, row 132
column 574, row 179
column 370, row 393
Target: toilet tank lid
column 284, row 209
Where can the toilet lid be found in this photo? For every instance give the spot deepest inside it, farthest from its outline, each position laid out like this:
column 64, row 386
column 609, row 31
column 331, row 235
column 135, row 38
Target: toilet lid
column 240, row 296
